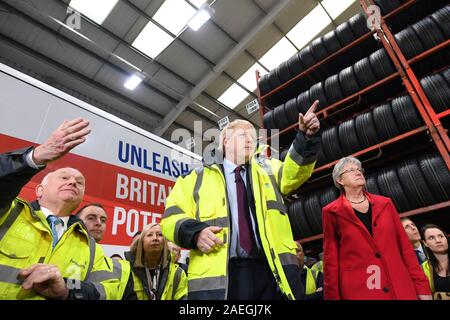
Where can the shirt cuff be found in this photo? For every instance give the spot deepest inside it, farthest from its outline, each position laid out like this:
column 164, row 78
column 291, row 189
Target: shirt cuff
column 30, row 162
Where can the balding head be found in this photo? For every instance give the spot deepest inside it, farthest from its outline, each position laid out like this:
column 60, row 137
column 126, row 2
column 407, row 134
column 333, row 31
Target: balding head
column 61, row 191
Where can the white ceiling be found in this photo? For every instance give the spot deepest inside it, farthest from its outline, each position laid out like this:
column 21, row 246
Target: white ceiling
column 190, row 74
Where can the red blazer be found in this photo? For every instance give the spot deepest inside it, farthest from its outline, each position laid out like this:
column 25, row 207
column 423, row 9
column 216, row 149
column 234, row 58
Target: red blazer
column 359, row 266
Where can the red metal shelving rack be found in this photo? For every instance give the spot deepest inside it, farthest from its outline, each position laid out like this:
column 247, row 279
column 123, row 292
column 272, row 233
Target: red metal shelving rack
column 432, row 121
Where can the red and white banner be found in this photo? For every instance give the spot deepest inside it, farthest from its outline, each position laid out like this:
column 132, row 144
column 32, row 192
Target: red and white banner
column 128, row 170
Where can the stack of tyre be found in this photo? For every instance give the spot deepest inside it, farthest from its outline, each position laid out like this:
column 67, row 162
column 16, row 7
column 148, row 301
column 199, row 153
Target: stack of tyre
column 411, row 184
column 316, row 51
column 413, row 40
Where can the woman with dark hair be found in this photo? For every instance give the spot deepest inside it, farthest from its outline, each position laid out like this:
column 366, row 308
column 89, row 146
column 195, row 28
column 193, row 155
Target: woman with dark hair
column 436, row 268
column 367, row 254
column 156, row 276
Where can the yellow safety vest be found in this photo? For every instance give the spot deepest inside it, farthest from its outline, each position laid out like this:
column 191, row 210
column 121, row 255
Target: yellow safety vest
column 175, row 287
column 311, row 278
column 428, row 272
column 26, row 239
column 201, row 195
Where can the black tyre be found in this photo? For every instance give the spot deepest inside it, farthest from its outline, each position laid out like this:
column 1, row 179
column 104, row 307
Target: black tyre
column 268, row 121
column 437, row 176
column 406, row 114
column 290, row 108
column 372, row 185
column 297, row 218
column 318, row 50
column 384, row 122
column 333, row 89
column 303, row 102
column 348, row 81
column 313, row 213
column 442, row 20
column 274, row 81
column 280, row 117
column 446, row 75
column 321, row 160
column 390, row 186
column 387, row 6
column 283, row 72
column 414, row 185
column 348, row 138
column 358, row 24
column 331, row 42
column 316, row 92
column 366, row 131
column 306, row 58
column 328, row 196
column 437, row 91
column 330, row 143
column 344, row 33
column 429, row 33
column 381, row 64
column 409, row 43
column 264, row 86
column 364, row 74
column 295, row 66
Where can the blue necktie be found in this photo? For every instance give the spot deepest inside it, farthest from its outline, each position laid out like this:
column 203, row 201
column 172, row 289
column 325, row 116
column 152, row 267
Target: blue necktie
column 53, row 221
column 420, row 256
column 244, row 221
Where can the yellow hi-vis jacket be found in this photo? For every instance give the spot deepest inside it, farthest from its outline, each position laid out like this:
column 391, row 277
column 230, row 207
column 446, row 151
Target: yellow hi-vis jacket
column 26, row 239
column 173, row 285
column 429, row 273
column 200, row 198
column 311, row 278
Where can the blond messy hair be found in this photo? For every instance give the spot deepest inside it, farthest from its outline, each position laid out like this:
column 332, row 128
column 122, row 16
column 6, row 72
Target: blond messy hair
column 228, row 131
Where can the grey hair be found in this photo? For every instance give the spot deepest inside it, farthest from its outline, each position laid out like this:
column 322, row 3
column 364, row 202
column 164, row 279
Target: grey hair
column 47, row 176
column 337, row 170
column 229, row 130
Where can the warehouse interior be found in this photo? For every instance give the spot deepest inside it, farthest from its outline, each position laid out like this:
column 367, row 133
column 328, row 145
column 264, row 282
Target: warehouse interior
column 384, row 94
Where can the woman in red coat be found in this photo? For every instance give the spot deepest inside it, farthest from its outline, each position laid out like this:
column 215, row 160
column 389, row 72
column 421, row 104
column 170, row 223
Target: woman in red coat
column 367, row 254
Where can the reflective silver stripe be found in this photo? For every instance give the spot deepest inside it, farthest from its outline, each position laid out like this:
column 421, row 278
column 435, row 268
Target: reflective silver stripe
column 298, row 159
column 100, row 289
column 204, row 284
column 288, row 258
column 176, row 279
column 275, row 205
column 172, row 210
column 198, row 184
column 177, row 229
column 218, row 222
column 314, row 274
column 99, row 276
column 10, row 219
column 9, row 274
column 92, row 245
column 280, row 174
column 278, row 195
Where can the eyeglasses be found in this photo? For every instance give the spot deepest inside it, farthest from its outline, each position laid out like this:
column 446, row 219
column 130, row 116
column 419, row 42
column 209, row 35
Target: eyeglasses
column 352, row 170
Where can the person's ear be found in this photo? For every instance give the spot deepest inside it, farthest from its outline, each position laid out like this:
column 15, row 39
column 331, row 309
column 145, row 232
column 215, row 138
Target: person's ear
column 340, row 182
column 39, row 191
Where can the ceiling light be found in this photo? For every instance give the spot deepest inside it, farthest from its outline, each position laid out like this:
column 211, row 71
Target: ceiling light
column 133, row 81
column 200, row 17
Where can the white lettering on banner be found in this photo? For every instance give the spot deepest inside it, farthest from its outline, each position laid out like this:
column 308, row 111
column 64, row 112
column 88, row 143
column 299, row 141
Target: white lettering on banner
column 152, row 161
column 141, row 191
column 134, row 220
